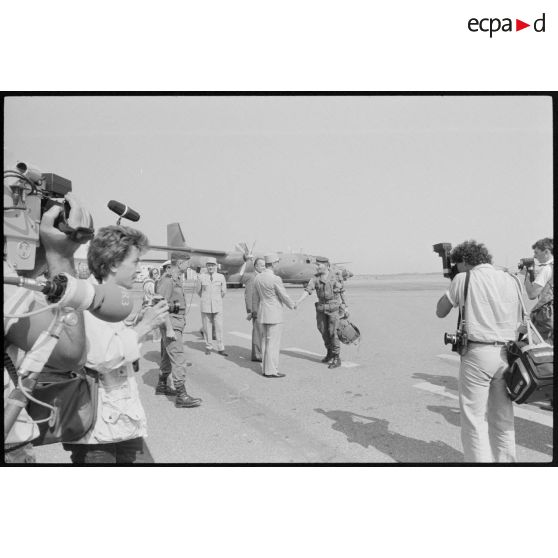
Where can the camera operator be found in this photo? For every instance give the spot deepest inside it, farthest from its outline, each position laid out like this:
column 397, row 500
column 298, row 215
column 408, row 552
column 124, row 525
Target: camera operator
column 112, row 349
column 493, row 316
column 55, row 254
column 543, row 251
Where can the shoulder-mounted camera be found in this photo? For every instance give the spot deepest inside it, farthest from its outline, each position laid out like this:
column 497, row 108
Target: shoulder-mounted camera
column 28, row 193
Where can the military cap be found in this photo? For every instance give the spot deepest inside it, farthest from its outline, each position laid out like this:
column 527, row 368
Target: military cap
column 210, row 261
column 271, row 258
column 322, row 259
column 167, row 263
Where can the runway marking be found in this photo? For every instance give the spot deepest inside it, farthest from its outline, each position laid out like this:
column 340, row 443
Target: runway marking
column 240, row 334
column 453, row 359
column 344, row 364
column 518, row 411
column 523, row 412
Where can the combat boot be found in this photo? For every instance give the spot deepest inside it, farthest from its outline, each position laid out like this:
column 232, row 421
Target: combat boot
column 163, row 388
column 335, row 362
column 328, row 357
column 185, row 400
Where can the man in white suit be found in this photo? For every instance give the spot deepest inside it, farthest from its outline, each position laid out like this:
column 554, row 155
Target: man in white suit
column 259, row 266
column 268, row 299
column 211, row 289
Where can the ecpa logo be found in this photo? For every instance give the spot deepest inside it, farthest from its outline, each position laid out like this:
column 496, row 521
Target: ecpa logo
column 492, row 25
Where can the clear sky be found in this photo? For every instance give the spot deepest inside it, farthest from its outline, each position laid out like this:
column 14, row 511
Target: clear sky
column 374, row 181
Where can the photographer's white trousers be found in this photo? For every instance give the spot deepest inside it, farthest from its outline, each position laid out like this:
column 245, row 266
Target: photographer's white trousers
column 487, row 425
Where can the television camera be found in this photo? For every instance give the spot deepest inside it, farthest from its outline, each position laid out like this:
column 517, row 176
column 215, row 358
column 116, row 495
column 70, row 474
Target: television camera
column 28, row 193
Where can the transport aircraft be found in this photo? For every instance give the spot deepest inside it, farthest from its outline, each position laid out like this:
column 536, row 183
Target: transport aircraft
column 238, row 265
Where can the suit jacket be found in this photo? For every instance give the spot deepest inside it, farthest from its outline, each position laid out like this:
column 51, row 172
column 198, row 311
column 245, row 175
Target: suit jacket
column 269, row 297
column 249, row 292
column 211, row 292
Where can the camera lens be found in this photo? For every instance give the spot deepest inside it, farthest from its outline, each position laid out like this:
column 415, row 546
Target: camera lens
column 449, row 339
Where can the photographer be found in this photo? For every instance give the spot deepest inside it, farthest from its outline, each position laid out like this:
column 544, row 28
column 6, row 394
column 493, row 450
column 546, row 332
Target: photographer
column 55, row 254
column 543, row 252
column 112, row 349
column 493, row 315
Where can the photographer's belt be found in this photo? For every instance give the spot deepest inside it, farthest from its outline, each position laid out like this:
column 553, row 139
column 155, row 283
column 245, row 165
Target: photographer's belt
column 494, row 343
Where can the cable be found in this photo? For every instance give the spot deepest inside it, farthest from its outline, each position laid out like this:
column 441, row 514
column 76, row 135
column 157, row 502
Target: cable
column 15, row 174
column 27, row 394
column 33, row 313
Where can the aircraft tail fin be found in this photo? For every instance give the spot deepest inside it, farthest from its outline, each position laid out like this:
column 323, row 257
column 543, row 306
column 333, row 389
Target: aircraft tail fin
column 175, row 236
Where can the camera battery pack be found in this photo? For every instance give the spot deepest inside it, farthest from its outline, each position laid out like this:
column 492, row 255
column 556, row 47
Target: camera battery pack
column 56, row 184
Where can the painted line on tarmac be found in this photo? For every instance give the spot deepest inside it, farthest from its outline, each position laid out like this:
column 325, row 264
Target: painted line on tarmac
column 240, row 334
column 520, row 412
column 344, row 364
column 453, row 359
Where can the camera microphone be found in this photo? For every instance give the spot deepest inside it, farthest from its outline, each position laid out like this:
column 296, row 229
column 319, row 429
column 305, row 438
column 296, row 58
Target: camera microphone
column 123, row 211
column 108, row 302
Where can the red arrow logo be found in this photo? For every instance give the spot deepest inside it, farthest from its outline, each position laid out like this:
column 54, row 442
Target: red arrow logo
column 519, row 25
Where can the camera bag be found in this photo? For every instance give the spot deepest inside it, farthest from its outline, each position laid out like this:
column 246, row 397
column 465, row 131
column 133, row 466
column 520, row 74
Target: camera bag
column 74, row 395
column 530, row 376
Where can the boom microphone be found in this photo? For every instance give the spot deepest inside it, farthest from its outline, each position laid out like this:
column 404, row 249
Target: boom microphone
column 108, row 302
column 123, row 211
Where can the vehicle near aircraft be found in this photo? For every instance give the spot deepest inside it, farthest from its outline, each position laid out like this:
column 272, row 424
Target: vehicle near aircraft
column 238, row 265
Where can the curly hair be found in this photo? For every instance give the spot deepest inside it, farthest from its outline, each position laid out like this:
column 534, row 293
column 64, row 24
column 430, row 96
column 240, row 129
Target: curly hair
column 544, row 244
column 110, row 246
column 152, row 272
column 471, row 252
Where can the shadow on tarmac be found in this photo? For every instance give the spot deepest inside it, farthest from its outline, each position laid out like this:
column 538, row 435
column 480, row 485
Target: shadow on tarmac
column 374, row 432
column 151, row 377
column 153, row 356
column 240, row 356
column 301, row 355
column 528, row 434
column 449, row 382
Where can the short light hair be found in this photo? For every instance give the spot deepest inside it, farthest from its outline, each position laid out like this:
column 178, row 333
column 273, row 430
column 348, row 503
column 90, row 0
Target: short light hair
column 544, row 244
column 471, row 252
column 110, row 247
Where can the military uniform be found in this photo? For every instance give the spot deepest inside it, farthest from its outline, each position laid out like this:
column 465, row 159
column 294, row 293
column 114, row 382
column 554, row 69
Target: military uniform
column 173, row 359
column 329, row 309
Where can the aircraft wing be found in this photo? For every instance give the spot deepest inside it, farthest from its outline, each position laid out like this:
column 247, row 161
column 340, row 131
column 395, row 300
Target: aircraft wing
column 197, row 251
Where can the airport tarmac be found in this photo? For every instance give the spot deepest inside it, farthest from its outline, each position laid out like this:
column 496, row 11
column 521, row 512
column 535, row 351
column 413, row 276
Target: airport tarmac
column 394, row 400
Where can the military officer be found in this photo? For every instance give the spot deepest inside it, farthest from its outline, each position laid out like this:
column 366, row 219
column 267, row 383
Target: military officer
column 331, row 306
column 173, row 359
column 211, row 288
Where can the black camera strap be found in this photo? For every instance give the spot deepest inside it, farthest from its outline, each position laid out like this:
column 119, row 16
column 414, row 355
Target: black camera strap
column 461, row 316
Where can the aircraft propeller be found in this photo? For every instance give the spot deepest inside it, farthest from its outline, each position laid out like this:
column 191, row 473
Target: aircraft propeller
column 248, row 254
